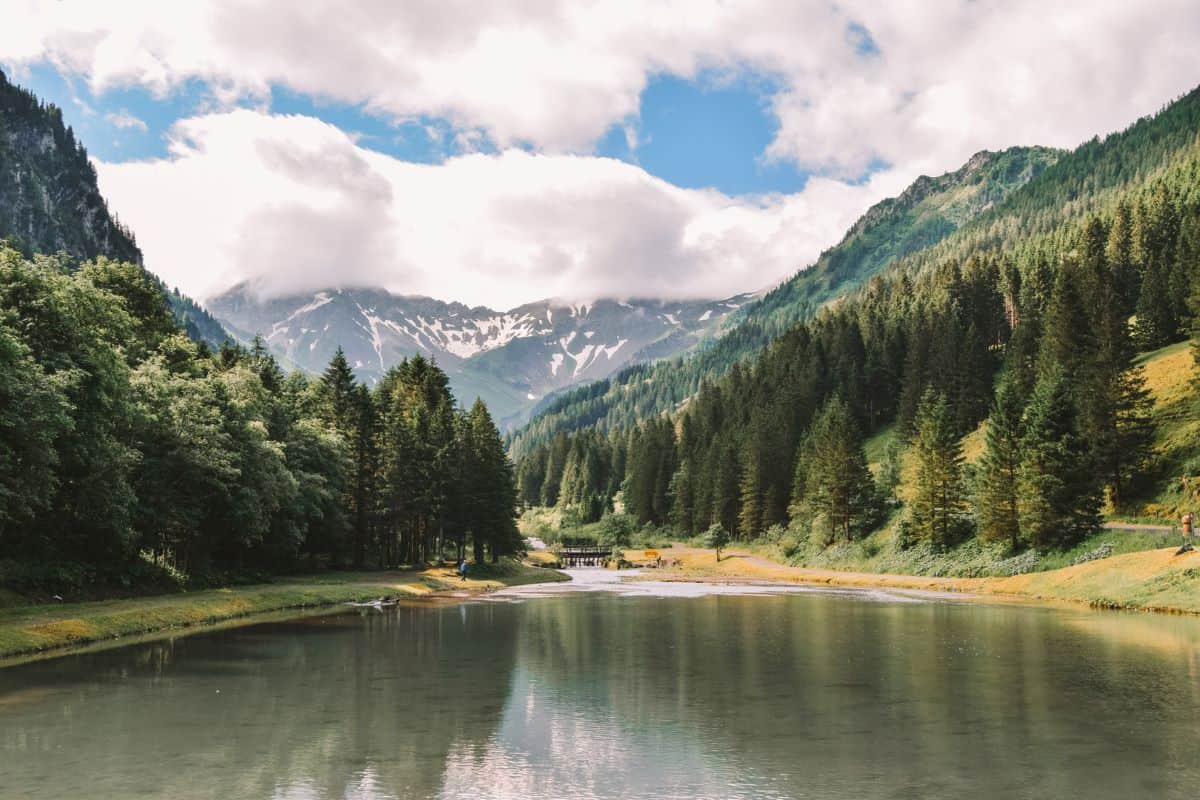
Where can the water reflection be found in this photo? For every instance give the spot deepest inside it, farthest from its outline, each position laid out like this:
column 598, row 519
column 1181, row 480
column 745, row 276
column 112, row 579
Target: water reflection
column 607, row 695
column 327, row 707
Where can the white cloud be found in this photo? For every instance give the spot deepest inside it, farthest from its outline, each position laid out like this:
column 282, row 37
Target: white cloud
column 951, row 77
column 948, row 79
column 124, row 120
column 987, row 75
column 293, row 203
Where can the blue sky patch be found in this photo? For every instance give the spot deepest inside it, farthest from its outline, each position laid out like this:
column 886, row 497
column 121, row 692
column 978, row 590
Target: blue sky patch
column 862, row 41
column 707, row 132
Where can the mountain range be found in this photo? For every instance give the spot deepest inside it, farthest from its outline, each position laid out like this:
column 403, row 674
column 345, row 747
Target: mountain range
column 539, row 357
column 923, row 215
column 512, row 359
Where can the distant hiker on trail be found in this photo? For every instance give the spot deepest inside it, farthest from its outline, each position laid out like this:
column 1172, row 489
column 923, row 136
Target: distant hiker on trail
column 462, row 569
column 1187, row 523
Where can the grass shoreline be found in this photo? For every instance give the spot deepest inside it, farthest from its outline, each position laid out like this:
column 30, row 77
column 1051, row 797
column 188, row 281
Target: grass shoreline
column 45, row 630
column 1151, row 580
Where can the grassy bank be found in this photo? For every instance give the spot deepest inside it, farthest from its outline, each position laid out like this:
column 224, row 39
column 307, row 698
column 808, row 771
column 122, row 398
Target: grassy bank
column 44, row 627
column 1151, row 580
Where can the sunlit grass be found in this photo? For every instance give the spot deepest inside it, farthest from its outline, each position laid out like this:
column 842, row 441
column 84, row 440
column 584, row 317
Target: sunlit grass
column 25, row 629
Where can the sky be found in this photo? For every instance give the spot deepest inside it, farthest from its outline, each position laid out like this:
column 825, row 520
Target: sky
column 498, row 153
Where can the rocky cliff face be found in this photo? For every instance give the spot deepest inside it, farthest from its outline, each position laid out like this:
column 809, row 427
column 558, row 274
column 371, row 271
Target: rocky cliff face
column 49, row 201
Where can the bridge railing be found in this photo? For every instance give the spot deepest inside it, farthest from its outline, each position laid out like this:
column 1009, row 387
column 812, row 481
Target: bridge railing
column 593, row 555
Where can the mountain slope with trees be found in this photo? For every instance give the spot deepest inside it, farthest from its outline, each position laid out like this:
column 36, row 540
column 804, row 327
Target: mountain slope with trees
column 925, row 213
column 1027, row 321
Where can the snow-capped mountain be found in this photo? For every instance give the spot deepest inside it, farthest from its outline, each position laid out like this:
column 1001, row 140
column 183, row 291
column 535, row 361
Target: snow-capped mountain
column 509, row 358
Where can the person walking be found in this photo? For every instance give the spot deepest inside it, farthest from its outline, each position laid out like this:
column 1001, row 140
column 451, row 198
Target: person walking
column 462, row 569
column 1187, row 520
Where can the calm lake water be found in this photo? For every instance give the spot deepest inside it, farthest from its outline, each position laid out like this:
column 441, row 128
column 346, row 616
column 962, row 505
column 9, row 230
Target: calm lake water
column 630, row 694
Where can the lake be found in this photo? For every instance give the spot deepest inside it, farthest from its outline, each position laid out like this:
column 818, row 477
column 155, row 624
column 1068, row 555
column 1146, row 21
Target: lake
column 600, row 691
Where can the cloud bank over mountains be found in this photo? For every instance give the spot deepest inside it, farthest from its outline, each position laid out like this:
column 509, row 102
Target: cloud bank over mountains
column 293, row 203
column 866, row 97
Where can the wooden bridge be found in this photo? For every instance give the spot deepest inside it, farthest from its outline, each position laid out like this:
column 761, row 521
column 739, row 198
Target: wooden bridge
column 584, row 555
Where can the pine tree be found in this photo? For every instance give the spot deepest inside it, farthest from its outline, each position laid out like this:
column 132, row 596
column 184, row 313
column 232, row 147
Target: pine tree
column 1059, row 497
column 1119, row 255
column 997, row 494
column 1113, row 403
column 1068, row 340
column 750, row 514
column 938, row 510
column 493, row 489
column 1187, row 254
column 556, row 462
column 1156, row 231
column 337, row 388
column 726, row 488
column 837, row 481
column 531, row 474
column 398, row 477
column 683, row 505
column 1156, row 323
column 717, row 538
column 365, row 456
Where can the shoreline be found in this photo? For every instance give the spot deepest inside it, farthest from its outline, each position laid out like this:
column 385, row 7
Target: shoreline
column 1155, row 581
column 35, row 632
column 1150, row 581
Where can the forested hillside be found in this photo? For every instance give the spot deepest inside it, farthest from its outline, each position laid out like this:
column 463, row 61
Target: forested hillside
column 924, row 214
column 130, row 454
column 1028, row 320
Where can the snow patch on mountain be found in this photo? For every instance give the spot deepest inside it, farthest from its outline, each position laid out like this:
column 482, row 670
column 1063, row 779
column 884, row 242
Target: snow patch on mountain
column 376, row 338
column 511, row 359
column 609, row 352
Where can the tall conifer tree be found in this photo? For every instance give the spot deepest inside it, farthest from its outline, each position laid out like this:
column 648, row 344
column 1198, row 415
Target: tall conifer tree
column 997, row 492
column 938, row 510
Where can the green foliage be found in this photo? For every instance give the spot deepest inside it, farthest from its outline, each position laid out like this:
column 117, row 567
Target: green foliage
column 50, row 203
column 928, row 212
column 618, row 530
column 835, row 480
column 716, row 537
column 938, row 508
column 889, row 475
column 34, row 413
column 997, row 494
column 123, row 443
column 648, row 473
column 1059, row 496
column 1038, row 288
